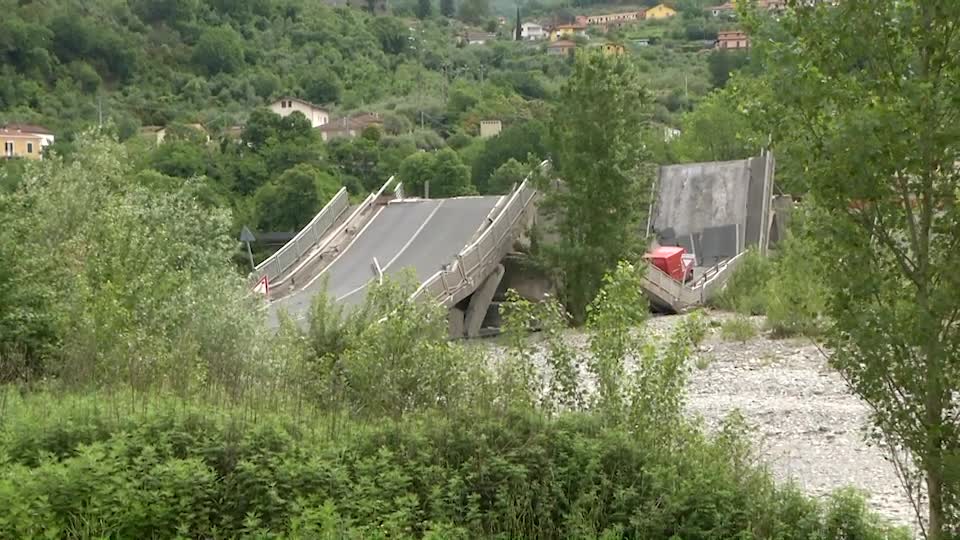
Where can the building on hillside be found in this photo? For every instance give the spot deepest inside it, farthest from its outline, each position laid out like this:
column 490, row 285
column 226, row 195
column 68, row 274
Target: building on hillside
column 349, row 126
column 501, row 20
column 611, row 21
column 567, row 31
column 24, row 141
column 532, row 32
column 490, row 128
column 642, row 42
column 732, row 39
column 613, row 49
column 477, row 38
column 561, row 48
column 158, row 134
column 660, row 11
column 376, row 7
column 286, row 106
column 728, row 9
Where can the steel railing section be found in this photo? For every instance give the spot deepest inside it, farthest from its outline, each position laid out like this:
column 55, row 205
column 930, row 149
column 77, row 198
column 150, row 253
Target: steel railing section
column 452, row 284
column 285, row 257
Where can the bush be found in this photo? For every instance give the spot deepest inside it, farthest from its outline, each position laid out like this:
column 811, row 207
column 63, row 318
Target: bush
column 180, row 471
column 796, row 297
column 739, row 329
column 745, row 292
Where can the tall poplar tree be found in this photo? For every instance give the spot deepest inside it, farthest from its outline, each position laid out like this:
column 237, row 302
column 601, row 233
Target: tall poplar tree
column 869, row 89
column 600, row 158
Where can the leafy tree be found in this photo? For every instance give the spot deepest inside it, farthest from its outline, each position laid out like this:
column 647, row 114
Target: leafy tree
column 518, row 30
column 475, row 11
column 875, row 114
column 599, row 206
column 393, row 34
column 510, row 173
column 448, row 8
column 722, row 63
column 219, row 50
column 424, row 9
column 415, row 171
column 322, row 85
column 289, row 202
column 450, row 177
column 716, row 131
column 515, row 142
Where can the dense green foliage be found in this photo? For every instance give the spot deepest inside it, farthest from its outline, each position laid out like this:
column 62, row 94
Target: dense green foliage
column 599, row 205
column 378, row 427
column 886, row 219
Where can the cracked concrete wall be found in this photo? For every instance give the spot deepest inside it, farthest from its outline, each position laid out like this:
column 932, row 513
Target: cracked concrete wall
column 693, row 197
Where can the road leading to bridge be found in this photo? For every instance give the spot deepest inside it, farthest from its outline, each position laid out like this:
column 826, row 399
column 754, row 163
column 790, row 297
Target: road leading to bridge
column 419, row 234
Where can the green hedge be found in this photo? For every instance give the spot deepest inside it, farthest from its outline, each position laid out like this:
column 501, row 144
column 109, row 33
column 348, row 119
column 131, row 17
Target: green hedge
column 179, row 473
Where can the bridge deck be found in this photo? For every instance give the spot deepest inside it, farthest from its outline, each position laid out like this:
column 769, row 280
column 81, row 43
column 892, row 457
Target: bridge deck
column 419, row 234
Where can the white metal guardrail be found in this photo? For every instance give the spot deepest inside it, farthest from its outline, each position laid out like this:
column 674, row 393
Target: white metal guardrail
column 451, row 285
column 363, row 207
column 285, row 257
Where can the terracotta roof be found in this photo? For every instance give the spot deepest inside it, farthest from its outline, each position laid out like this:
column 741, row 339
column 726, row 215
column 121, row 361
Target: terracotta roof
column 560, row 44
column 27, row 128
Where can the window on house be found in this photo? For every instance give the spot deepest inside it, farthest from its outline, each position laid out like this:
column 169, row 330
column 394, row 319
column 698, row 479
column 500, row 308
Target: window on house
column 29, row 147
column 8, row 148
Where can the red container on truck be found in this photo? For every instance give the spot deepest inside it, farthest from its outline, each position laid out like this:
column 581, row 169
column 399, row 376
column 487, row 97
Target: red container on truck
column 671, row 261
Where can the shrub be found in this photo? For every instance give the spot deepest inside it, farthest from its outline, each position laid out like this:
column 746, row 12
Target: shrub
column 738, row 328
column 796, row 297
column 182, row 471
column 745, row 292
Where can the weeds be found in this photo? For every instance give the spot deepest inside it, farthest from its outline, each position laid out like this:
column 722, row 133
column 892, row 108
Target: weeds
column 738, row 328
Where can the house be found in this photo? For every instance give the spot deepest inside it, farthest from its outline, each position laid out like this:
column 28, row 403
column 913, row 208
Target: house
column 490, row 128
column 566, row 31
column 616, row 20
column 349, row 127
column 286, row 106
column 561, row 48
column 477, row 38
column 642, row 42
column 501, row 20
column 532, row 32
column 159, row 133
column 661, row 11
column 24, row 141
column 732, row 39
column 728, row 9
column 612, row 49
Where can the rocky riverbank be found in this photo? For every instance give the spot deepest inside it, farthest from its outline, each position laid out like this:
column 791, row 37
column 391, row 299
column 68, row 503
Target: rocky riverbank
column 807, row 426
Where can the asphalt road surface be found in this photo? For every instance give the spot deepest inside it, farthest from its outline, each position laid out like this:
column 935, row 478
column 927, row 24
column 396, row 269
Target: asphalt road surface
column 419, row 234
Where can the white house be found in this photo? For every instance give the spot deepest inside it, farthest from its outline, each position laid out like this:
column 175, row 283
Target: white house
column 490, row 128
column 532, row 32
column 286, row 106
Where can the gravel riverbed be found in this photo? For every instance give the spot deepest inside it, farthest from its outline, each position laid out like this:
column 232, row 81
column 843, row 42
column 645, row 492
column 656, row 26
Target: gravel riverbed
column 808, row 427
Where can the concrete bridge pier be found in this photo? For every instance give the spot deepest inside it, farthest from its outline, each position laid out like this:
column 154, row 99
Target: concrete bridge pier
column 467, row 322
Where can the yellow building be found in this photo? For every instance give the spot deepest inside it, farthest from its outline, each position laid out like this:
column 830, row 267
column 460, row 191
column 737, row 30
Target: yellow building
column 661, row 11
column 614, row 49
column 24, row 141
column 567, row 31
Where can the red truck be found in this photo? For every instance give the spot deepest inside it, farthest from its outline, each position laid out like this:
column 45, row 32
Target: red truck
column 674, row 261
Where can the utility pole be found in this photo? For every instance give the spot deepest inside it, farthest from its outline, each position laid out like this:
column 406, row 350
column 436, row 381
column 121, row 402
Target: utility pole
column 100, row 110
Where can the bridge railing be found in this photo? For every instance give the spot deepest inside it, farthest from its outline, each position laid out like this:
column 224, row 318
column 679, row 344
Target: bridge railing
column 450, row 285
column 285, row 257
